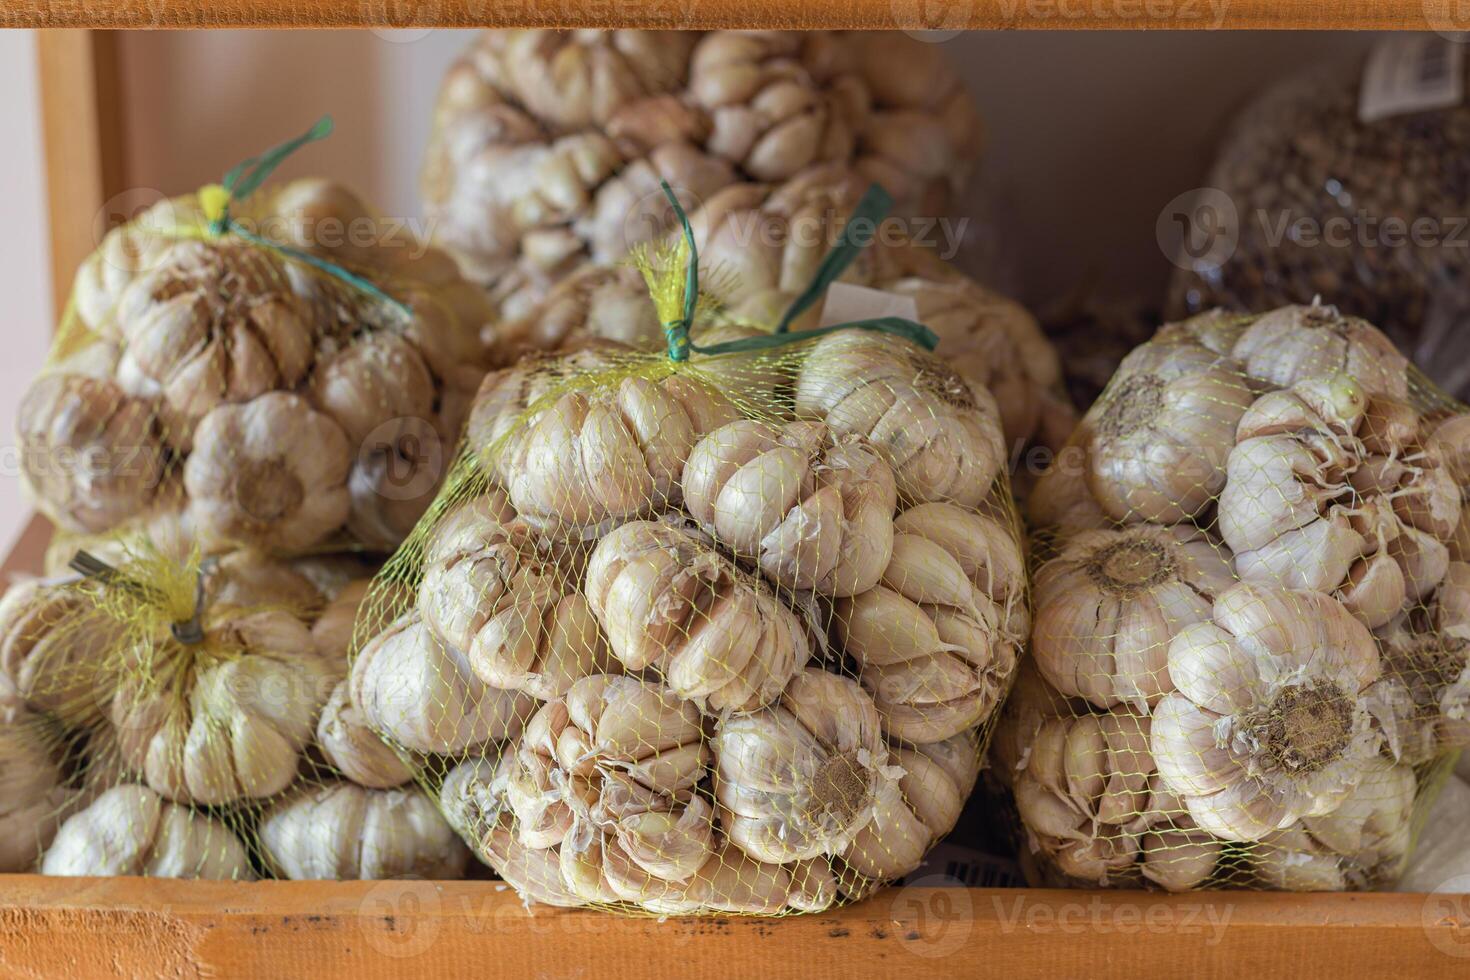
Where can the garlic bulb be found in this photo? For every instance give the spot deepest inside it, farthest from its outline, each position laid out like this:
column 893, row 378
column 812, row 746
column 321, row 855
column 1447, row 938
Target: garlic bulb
column 52, row 646
column 815, row 512
column 1296, row 343
column 911, row 813
column 215, row 322
column 766, row 112
column 125, row 253
column 331, row 634
column 939, row 432
column 1422, row 703
column 1269, row 721
column 1087, row 793
column 668, row 599
column 1449, row 440
column 32, row 794
column 607, row 774
column 936, row 641
column 1107, row 607
column 500, row 592
column 548, row 146
column 131, row 830
column 1362, row 844
column 609, row 453
column 419, row 692
column 394, row 480
column 375, row 379
column 270, row 473
column 226, row 719
column 505, row 395
column 91, row 454
column 1158, row 439
column 608, row 302
column 342, row 832
column 798, row 779
column 354, row 749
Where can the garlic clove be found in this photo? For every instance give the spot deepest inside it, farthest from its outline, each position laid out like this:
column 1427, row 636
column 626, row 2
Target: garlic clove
column 1242, row 811
column 1208, row 667
column 354, row 749
column 1182, row 740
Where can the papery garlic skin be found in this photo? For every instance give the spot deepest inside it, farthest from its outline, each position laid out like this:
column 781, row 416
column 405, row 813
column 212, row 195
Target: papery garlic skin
column 608, row 776
column 1295, row 343
column 131, row 830
column 353, row 748
column 416, row 690
column 939, row 432
column 936, row 641
column 1158, row 439
column 1108, row 605
column 331, row 634
column 1270, row 719
column 32, row 794
column 1361, row 844
column 505, row 595
column 343, row 832
column 52, row 646
column 913, row 812
column 270, row 473
column 1087, row 793
column 668, row 599
column 815, row 513
column 214, row 323
column 91, row 453
column 609, row 453
column 225, row 721
column 797, row 780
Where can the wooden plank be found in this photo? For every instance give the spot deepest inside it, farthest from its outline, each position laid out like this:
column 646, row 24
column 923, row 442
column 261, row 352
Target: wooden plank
column 133, row 927
column 81, row 130
column 905, row 14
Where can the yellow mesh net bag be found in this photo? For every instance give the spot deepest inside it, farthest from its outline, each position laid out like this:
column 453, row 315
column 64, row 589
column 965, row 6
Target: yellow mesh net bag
column 1249, row 642
column 273, row 368
column 721, row 629
column 166, row 714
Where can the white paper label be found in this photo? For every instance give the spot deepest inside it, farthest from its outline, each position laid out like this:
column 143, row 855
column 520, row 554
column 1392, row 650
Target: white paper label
column 1411, row 73
column 846, row 302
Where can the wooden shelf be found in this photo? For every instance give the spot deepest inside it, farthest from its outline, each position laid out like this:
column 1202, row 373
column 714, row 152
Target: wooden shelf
column 688, row 14
column 137, row 927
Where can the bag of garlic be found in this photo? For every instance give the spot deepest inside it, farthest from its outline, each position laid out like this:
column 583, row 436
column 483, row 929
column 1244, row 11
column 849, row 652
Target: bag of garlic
column 548, row 146
column 1249, row 648
column 271, row 368
column 172, row 715
column 1347, row 181
column 720, row 629
column 759, row 247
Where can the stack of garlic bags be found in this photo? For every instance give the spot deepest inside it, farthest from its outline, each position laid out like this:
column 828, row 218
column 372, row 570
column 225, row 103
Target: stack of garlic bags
column 1250, row 624
column 242, row 379
column 697, row 632
column 548, row 147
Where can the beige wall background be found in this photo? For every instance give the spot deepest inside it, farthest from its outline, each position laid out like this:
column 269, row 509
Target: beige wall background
column 1089, row 135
